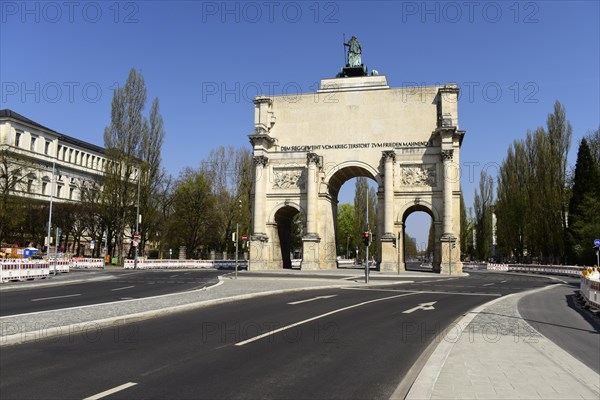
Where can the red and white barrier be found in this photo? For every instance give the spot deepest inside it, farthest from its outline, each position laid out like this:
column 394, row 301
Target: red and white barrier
column 84, row 263
column 17, row 270
column 175, row 264
column 497, row 267
column 590, row 290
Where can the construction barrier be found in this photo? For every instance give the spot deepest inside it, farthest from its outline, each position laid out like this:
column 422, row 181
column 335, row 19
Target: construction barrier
column 175, row 264
column 497, row 267
column 79, row 263
column 18, row 270
column 589, row 287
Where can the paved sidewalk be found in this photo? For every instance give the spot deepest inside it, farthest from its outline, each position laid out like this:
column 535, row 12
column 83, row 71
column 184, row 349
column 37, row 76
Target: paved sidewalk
column 494, row 354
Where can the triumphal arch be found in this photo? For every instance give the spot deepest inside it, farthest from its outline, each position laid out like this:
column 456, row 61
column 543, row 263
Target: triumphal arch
column 306, row 146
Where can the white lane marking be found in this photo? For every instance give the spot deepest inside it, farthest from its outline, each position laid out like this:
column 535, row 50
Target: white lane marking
column 488, row 284
column 503, row 282
column 423, row 291
column 173, row 276
column 422, row 306
column 56, row 297
column 313, row 299
column 121, row 288
column 111, row 391
column 270, row 333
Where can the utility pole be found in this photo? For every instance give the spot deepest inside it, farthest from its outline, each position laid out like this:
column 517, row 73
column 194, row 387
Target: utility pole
column 50, row 212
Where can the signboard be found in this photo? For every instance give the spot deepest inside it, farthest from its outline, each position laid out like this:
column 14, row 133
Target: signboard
column 597, row 242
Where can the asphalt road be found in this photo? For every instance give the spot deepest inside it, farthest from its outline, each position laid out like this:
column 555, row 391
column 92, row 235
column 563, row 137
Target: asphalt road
column 573, row 329
column 335, row 343
column 126, row 285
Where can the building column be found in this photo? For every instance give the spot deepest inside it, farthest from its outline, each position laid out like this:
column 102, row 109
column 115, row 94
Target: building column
column 389, row 253
column 448, row 239
column 388, row 191
column 260, row 162
column 311, row 240
column 311, row 194
column 400, row 244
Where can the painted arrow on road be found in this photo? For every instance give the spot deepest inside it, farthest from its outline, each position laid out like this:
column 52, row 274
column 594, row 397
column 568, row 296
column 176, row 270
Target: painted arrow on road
column 313, row 299
column 422, row 306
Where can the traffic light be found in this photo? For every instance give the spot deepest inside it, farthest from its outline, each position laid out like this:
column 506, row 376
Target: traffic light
column 367, row 238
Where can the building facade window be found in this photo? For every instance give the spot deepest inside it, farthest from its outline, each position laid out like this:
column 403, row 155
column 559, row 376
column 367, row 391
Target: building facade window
column 71, row 190
column 44, row 188
column 47, row 148
column 18, row 138
column 58, row 190
column 32, row 146
column 29, row 185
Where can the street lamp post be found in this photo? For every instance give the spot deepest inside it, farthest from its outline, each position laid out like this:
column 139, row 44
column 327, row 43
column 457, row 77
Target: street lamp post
column 237, row 228
column 137, row 222
column 347, row 243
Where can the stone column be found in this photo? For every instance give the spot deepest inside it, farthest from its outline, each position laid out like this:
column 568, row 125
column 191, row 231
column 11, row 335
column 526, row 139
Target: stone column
column 400, row 244
column 260, row 162
column 389, row 253
column 388, row 191
column 311, row 255
column 448, row 239
column 311, row 194
column 447, row 162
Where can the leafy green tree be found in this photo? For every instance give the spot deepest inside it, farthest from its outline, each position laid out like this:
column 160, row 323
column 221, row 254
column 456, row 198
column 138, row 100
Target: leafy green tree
column 122, row 139
column 346, row 235
column 484, row 200
column 361, row 192
column 193, row 204
column 230, row 172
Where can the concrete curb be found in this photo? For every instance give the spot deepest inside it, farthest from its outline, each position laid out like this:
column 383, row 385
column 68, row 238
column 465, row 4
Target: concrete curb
column 423, row 386
column 33, row 336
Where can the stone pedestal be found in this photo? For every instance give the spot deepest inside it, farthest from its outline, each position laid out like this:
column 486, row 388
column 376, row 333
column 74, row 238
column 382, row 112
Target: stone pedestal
column 451, row 264
column 389, row 255
column 182, row 251
column 259, row 250
column 310, row 253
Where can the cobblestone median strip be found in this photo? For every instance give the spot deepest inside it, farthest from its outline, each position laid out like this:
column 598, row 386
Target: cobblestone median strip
column 493, row 353
column 50, row 324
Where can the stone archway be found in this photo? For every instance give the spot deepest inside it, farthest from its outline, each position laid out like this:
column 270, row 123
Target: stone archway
column 305, row 146
column 281, row 225
column 428, row 208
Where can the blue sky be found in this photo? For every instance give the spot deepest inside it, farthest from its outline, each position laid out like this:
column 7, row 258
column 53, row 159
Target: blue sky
column 206, row 60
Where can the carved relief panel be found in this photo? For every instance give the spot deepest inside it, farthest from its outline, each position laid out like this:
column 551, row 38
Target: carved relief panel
column 289, row 178
column 418, row 175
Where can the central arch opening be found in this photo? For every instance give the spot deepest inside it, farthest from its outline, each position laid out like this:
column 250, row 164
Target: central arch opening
column 354, row 190
column 290, row 229
column 419, row 238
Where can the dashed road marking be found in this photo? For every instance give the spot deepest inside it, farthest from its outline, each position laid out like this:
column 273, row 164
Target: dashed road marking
column 111, row 391
column 56, row 297
column 121, row 288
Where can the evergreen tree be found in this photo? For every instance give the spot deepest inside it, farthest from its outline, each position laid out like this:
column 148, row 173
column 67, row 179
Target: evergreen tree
column 584, row 197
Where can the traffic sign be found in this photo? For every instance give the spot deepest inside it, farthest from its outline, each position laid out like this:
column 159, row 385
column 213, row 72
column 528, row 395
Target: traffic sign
column 135, row 243
column 244, row 238
column 136, row 235
column 597, row 242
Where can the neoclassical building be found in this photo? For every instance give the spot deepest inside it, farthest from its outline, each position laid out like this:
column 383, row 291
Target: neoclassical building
column 33, row 148
column 306, row 146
